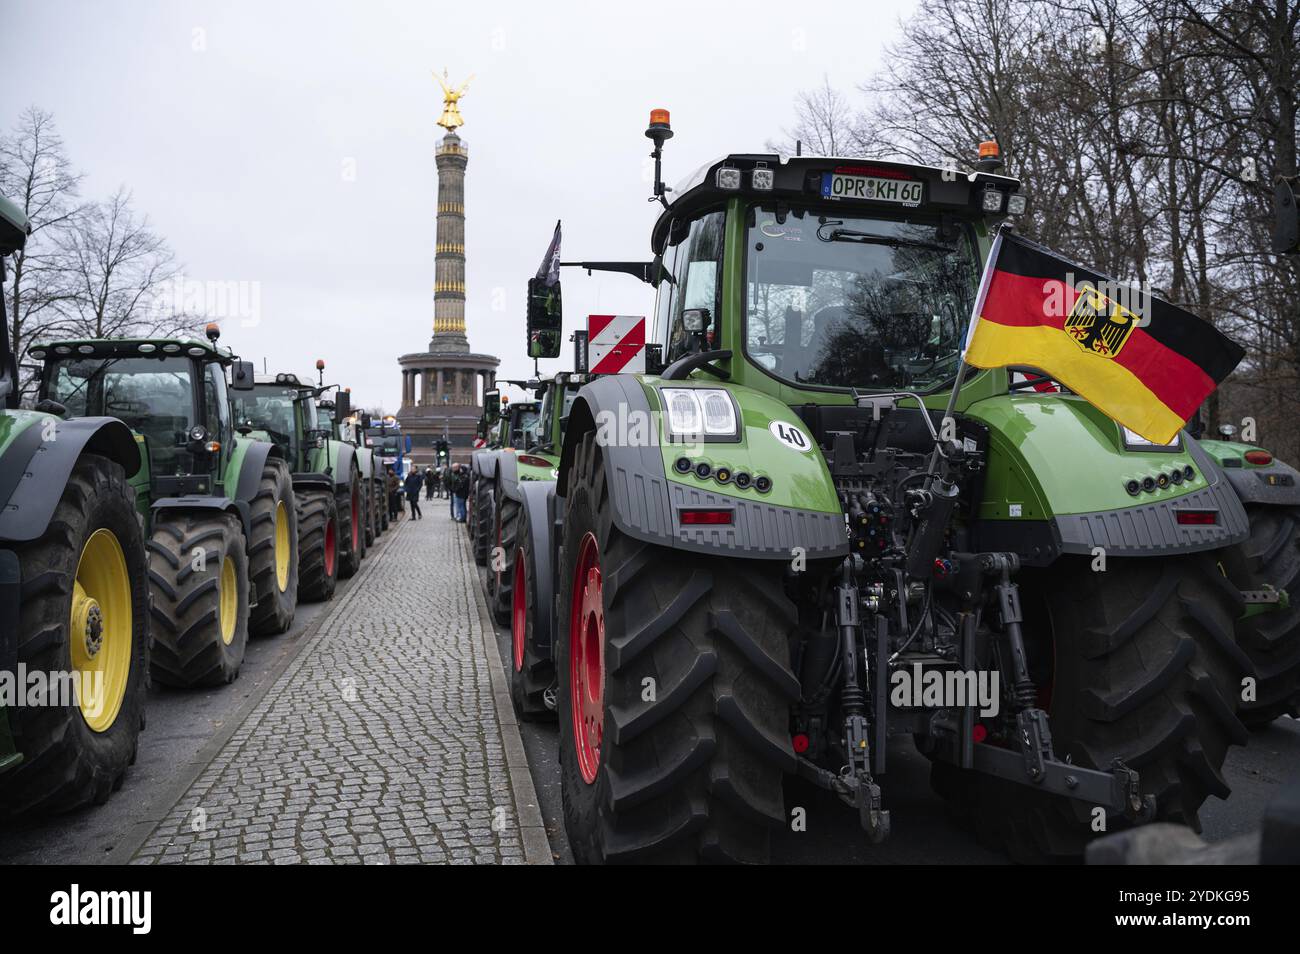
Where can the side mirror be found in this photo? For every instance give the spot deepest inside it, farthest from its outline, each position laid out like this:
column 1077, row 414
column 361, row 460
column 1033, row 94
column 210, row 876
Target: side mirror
column 342, row 406
column 409, row 445
column 545, row 319
column 366, row 421
column 492, row 405
column 241, row 376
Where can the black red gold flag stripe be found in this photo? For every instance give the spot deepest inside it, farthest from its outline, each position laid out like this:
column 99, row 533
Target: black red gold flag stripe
column 1146, row 363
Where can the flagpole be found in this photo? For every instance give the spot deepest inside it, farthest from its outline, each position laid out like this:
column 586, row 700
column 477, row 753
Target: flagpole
column 976, row 308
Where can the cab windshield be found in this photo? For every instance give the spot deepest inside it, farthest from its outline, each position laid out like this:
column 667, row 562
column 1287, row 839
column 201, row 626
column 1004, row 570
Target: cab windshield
column 268, row 408
column 523, row 428
column 152, row 396
column 837, row 300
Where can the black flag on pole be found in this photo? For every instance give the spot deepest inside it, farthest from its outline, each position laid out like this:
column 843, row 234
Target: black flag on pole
column 549, row 272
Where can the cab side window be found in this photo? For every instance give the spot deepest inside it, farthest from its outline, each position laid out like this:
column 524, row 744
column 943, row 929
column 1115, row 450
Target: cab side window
column 216, row 403
column 697, row 288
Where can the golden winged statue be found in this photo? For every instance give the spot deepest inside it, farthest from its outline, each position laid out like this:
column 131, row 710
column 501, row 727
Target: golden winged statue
column 451, row 117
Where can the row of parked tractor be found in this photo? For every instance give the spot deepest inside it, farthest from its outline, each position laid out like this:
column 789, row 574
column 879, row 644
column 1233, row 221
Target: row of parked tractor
column 165, row 503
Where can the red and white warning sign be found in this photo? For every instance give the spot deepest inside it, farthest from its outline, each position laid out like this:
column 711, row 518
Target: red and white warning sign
column 616, row 343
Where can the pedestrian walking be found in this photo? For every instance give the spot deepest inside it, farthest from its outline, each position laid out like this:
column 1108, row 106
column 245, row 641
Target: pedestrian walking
column 459, row 491
column 447, row 476
column 430, row 481
column 414, row 481
column 394, row 495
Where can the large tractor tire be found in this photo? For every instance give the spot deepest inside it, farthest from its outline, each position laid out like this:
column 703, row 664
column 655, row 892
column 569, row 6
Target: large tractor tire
column 481, row 518
column 318, row 551
column 85, row 610
column 1136, row 663
column 352, row 538
column 273, row 552
column 1270, row 557
column 198, row 577
column 532, row 672
column 501, row 557
column 675, row 687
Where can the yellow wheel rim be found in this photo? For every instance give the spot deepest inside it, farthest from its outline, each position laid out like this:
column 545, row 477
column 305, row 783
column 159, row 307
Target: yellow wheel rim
column 282, row 548
column 100, row 630
column 229, row 601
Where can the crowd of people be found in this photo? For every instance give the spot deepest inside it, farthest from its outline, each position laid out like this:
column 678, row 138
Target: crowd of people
column 451, row 482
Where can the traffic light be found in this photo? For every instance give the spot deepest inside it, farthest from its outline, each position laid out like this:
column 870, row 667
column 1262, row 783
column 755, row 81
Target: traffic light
column 443, row 451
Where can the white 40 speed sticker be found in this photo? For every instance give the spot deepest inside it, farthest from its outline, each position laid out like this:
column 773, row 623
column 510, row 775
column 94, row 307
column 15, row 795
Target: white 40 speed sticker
column 791, row 436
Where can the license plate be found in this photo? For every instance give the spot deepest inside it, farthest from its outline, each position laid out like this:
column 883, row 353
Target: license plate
column 837, row 185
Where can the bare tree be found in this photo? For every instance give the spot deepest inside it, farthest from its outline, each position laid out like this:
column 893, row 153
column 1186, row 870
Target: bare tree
column 120, row 265
column 826, row 124
column 1148, row 133
column 35, row 173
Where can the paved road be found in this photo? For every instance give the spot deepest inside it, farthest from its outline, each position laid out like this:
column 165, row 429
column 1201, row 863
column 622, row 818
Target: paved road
column 922, row 831
column 376, row 739
column 180, row 725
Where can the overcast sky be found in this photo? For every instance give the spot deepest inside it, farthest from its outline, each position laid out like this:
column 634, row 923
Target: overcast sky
column 289, row 145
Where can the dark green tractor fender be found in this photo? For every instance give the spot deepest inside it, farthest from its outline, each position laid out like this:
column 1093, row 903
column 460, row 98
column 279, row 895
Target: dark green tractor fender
column 196, row 502
column 34, row 471
column 641, row 496
column 484, row 464
column 342, row 459
column 1276, row 484
column 507, row 474
column 250, row 470
column 539, row 509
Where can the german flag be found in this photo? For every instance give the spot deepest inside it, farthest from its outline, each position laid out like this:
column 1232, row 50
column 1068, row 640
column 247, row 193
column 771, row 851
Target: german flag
column 1146, row 363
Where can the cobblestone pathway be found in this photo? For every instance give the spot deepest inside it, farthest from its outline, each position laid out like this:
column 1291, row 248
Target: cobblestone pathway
column 380, row 743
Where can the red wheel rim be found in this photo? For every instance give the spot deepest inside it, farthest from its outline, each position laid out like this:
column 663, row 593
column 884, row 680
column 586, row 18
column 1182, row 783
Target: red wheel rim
column 587, row 658
column 519, row 611
column 356, row 517
column 329, row 548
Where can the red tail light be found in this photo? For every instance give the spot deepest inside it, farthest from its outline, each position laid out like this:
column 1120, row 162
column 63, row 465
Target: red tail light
column 532, row 461
column 1197, row 518
column 697, row 518
column 1259, row 457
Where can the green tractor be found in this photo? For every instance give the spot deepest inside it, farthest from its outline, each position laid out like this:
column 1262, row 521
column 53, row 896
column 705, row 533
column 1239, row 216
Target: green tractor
column 218, row 509
column 326, row 476
column 74, row 604
column 783, row 545
column 504, row 427
column 533, row 456
column 350, row 429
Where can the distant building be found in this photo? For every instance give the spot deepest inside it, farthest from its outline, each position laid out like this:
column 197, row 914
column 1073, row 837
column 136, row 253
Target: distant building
column 442, row 388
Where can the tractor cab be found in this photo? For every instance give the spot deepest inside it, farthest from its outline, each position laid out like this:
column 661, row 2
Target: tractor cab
column 849, row 276
column 557, row 399
column 172, row 393
column 281, row 409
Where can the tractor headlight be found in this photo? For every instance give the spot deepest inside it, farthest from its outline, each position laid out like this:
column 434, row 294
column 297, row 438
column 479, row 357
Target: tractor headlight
column 762, row 179
column 992, row 199
column 693, row 413
column 1016, row 204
